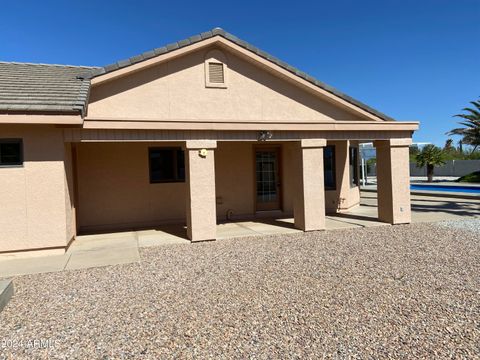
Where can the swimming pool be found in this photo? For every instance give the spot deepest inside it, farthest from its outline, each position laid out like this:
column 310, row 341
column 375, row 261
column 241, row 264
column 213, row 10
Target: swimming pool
column 462, row 189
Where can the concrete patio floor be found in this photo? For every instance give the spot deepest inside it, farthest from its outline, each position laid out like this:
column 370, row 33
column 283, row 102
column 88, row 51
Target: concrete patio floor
column 123, row 247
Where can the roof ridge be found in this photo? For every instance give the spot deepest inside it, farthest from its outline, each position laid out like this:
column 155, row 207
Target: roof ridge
column 43, row 64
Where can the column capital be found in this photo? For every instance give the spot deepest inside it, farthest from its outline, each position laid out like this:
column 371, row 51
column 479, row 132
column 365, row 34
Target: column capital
column 200, row 144
column 313, row 143
column 396, row 142
column 401, row 142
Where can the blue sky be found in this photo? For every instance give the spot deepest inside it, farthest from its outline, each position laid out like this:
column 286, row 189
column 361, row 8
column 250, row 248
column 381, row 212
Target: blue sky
column 413, row 60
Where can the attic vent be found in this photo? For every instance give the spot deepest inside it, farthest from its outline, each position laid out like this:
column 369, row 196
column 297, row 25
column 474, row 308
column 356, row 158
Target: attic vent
column 215, row 71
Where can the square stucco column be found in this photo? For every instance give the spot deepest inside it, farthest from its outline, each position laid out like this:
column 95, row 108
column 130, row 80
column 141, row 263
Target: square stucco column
column 201, row 211
column 393, row 180
column 309, row 204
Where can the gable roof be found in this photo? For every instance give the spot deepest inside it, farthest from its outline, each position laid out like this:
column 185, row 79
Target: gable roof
column 65, row 88
column 43, row 87
column 220, row 32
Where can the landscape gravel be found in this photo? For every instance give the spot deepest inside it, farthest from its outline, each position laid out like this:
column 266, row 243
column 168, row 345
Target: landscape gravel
column 406, row 291
column 469, row 225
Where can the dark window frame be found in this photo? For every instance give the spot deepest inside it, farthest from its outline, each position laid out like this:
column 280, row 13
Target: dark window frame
column 353, row 155
column 12, row 164
column 176, row 174
column 334, row 168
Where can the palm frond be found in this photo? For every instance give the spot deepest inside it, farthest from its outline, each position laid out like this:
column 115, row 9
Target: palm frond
column 474, row 112
column 457, row 131
column 465, row 116
column 468, row 124
column 476, row 104
column 471, row 124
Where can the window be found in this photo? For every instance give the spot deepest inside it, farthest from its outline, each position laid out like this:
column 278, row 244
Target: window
column 166, row 165
column 11, row 152
column 353, row 162
column 329, row 167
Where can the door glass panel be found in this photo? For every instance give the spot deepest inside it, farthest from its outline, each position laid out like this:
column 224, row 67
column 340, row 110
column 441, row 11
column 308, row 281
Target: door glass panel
column 266, row 169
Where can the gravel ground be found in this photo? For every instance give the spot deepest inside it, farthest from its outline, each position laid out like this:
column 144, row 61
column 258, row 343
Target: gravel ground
column 468, row 225
column 407, row 291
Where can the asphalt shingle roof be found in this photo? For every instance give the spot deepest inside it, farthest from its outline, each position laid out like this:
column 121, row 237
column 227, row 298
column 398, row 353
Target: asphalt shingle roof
column 43, row 87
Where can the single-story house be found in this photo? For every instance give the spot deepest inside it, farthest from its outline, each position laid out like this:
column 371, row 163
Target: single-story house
column 206, row 129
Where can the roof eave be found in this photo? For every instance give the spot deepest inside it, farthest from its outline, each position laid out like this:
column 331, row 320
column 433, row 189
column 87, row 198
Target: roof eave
column 41, row 117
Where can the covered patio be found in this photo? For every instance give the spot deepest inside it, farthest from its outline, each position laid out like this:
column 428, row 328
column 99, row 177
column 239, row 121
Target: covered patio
column 111, row 248
column 233, row 180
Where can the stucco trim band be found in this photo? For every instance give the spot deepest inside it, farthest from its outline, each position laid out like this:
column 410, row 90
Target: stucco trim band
column 40, row 119
column 258, row 125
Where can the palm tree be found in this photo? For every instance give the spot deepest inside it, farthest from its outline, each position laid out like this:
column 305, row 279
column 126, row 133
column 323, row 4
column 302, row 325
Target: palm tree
column 448, row 145
column 471, row 131
column 430, row 156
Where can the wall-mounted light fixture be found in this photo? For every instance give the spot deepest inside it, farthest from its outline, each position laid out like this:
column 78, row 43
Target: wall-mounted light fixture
column 264, row 135
column 202, row 153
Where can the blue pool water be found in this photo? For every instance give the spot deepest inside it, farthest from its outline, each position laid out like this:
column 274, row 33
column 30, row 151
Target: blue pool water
column 463, row 189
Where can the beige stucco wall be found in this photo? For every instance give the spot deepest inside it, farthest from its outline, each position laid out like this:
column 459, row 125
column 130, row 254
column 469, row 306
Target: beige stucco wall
column 34, row 199
column 115, row 192
column 235, row 176
column 235, row 171
column 176, row 90
column 114, row 189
